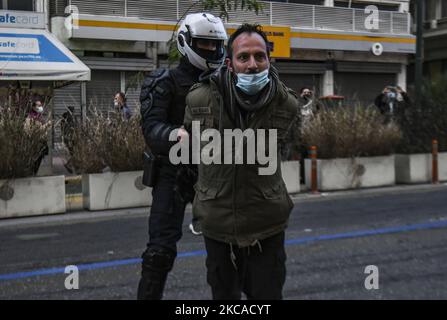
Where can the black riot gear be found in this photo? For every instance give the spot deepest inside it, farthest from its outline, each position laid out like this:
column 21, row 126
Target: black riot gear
column 162, row 109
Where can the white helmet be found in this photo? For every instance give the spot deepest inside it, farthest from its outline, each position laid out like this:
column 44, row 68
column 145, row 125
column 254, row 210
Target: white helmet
column 202, row 26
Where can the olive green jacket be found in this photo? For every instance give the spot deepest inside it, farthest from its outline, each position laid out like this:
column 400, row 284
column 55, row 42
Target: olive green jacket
column 233, row 202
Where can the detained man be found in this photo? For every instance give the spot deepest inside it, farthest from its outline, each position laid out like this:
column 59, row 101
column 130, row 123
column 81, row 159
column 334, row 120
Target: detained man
column 243, row 213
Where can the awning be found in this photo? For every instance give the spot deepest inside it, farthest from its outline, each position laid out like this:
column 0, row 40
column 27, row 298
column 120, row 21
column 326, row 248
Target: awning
column 33, row 54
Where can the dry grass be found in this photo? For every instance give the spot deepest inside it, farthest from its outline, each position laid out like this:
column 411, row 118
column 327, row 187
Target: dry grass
column 107, row 141
column 348, row 132
column 85, row 157
column 21, row 141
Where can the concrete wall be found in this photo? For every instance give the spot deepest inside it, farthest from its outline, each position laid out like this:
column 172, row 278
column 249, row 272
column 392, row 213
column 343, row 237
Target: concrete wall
column 291, row 175
column 417, row 168
column 413, row 168
column 442, row 166
column 115, row 190
column 32, row 196
column 341, row 174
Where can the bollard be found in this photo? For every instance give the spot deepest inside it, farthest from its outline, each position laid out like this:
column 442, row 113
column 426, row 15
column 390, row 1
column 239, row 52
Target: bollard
column 434, row 166
column 313, row 174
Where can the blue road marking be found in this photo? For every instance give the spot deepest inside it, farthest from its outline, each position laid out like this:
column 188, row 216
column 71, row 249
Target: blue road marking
column 338, row 236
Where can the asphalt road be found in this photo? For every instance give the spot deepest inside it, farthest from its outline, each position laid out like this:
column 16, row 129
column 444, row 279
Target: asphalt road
column 330, row 242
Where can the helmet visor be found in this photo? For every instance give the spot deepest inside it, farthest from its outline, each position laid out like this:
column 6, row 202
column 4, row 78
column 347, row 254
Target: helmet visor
column 209, row 49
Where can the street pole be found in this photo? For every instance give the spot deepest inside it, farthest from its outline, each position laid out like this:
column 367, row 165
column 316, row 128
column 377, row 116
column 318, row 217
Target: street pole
column 420, row 13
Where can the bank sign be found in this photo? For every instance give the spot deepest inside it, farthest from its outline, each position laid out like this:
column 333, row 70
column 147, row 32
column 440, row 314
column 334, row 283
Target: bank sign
column 22, row 19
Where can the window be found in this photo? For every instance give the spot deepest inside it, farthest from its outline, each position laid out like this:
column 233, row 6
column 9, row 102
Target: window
column 444, row 9
column 25, row 5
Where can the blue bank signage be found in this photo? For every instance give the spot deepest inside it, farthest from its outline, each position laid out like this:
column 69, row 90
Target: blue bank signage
column 22, row 19
column 29, row 48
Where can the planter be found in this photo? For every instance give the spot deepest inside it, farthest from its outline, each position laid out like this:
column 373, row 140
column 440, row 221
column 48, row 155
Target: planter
column 115, row 190
column 413, row 168
column 32, row 196
column 291, row 175
column 442, row 166
column 416, row 168
column 341, row 174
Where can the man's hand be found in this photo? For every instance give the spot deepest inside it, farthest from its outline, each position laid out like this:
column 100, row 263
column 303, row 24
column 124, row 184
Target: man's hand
column 182, row 135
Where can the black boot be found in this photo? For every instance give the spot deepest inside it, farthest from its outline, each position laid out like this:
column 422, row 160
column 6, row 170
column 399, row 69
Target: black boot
column 155, row 268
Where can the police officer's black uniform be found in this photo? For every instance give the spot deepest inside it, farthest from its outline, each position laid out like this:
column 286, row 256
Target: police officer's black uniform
column 162, row 108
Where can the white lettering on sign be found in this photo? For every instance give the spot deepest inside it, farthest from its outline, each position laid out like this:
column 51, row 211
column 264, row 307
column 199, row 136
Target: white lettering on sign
column 21, row 19
column 19, row 45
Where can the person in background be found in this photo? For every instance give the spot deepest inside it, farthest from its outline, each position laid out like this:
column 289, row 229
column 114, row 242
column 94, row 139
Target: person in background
column 37, row 110
column 306, row 94
column 393, row 103
column 120, row 103
column 36, row 115
column 307, row 110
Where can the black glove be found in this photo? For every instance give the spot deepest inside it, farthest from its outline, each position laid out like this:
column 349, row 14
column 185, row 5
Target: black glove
column 185, row 181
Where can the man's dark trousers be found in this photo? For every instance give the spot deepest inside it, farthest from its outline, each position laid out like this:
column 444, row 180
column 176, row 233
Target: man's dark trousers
column 259, row 270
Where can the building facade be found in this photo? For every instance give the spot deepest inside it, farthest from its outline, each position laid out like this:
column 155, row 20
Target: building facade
column 435, row 39
column 336, row 47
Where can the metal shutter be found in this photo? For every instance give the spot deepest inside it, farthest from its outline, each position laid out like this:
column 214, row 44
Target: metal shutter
column 100, row 7
column 57, row 7
column 64, row 97
column 369, row 67
column 134, row 81
column 297, row 81
column 296, row 75
column 152, row 9
column 121, row 64
column 300, row 67
column 101, row 89
column 361, row 87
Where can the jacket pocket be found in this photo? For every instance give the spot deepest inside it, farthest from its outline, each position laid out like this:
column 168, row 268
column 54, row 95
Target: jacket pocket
column 272, row 191
column 267, row 188
column 206, row 192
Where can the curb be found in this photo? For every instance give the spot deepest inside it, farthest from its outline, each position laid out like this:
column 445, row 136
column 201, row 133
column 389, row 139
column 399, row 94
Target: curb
column 83, row 215
column 306, row 195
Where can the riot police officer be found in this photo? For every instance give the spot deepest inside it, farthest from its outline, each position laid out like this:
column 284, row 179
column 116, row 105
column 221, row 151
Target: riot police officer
column 200, row 40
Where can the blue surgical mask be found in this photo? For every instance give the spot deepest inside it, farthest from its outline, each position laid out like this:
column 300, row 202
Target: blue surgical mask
column 252, row 83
